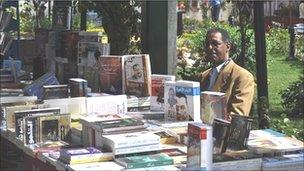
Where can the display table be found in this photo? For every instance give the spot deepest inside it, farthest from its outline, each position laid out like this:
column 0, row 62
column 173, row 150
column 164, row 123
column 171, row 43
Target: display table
column 41, row 161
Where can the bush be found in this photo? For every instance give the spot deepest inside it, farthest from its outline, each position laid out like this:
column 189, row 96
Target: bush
column 293, row 98
column 277, row 41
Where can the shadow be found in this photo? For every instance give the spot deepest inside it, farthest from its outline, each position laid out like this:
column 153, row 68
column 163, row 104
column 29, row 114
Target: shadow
column 293, row 63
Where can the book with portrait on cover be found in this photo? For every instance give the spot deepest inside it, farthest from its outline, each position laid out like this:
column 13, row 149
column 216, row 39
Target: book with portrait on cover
column 137, row 73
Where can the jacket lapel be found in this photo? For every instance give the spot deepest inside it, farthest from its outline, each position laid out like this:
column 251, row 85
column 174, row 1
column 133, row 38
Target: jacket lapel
column 205, row 80
column 221, row 82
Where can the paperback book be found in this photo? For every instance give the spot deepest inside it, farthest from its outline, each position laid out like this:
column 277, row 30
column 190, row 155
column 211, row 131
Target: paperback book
column 55, row 91
column 170, row 101
column 188, row 100
column 213, row 105
column 36, row 88
column 157, row 96
column 111, row 74
column 78, row 87
column 137, row 72
column 221, row 132
column 200, row 145
column 144, row 161
column 108, row 104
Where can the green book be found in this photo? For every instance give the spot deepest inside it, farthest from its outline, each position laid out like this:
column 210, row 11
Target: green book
column 143, row 161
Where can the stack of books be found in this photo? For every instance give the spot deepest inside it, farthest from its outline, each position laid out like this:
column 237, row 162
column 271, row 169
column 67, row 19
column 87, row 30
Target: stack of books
column 131, row 142
column 83, row 155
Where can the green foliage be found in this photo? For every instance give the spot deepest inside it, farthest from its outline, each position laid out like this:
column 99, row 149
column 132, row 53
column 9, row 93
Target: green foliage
column 286, row 126
column 300, row 47
column 277, row 41
column 293, row 98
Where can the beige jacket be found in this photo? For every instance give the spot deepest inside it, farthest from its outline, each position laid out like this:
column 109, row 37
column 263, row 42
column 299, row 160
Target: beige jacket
column 237, row 83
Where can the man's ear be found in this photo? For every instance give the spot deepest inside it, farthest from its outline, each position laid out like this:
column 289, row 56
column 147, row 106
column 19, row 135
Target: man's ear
column 228, row 45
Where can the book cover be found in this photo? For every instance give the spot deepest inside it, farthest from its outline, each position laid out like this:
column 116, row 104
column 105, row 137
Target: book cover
column 111, row 74
column 199, row 148
column 270, row 141
column 221, row 132
column 213, row 105
column 55, row 91
column 54, row 128
column 284, row 162
column 188, row 100
column 78, row 87
column 61, row 17
column 30, row 128
column 19, row 115
column 137, row 72
column 144, row 161
column 130, row 139
column 112, row 104
column 239, row 132
column 90, row 36
column 10, row 117
column 157, row 97
column 170, row 101
column 48, row 146
column 166, row 138
column 36, row 88
column 102, row 166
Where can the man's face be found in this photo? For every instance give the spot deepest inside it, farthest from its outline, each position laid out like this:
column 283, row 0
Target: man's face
column 217, row 50
column 137, row 71
column 181, row 106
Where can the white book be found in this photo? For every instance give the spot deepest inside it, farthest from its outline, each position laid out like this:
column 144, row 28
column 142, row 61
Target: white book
column 96, row 166
column 157, row 95
column 170, row 101
column 10, row 117
column 75, row 106
column 188, row 100
column 111, row 104
column 130, row 139
column 247, row 164
column 17, row 99
column 137, row 149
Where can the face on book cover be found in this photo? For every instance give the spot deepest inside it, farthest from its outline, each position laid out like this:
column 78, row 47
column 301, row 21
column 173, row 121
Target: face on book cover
column 137, row 72
column 181, row 108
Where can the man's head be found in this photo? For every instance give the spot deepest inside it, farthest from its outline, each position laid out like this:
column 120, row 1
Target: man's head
column 136, row 71
column 181, row 106
column 217, row 46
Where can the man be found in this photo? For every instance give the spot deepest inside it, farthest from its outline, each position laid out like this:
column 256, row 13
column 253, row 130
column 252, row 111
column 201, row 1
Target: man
column 181, row 107
column 137, row 73
column 226, row 76
column 215, row 9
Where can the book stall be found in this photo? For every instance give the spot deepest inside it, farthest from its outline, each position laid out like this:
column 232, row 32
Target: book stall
column 137, row 121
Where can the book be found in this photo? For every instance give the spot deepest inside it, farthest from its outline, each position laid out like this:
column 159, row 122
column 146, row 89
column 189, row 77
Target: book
column 36, row 88
column 137, row 104
column 188, row 100
column 109, row 104
column 130, row 140
column 10, row 92
column 54, row 127
column 105, row 165
column 157, row 87
column 213, row 105
column 118, row 124
column 144, row 161
column 10, row 117
column 55, row 91
column 239, row 132
column 284, row 162
column 90, row 36
column 84, row 155
column 166, row 138
column 78, row 87
column 269, row 141
column 156, row 168
column 111, row 74
column 61, row 17
column 75, row 106
column 30, row 127
column 199, row 148
column 19, row 115
column 221, row 132
column 170, row 101
column 48, row 146
column 137, row 149
column 137, row 72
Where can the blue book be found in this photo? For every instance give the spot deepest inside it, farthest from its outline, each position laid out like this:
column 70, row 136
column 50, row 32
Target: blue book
column 36, row 88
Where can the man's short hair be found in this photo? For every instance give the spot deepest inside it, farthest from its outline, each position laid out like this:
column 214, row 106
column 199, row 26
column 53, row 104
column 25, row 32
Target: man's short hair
column 180, row 95
column 135, row 65
column 225, row 35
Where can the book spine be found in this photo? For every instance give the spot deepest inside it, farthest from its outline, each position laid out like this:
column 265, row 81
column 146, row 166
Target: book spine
column 144, row 148
column 123, row 143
